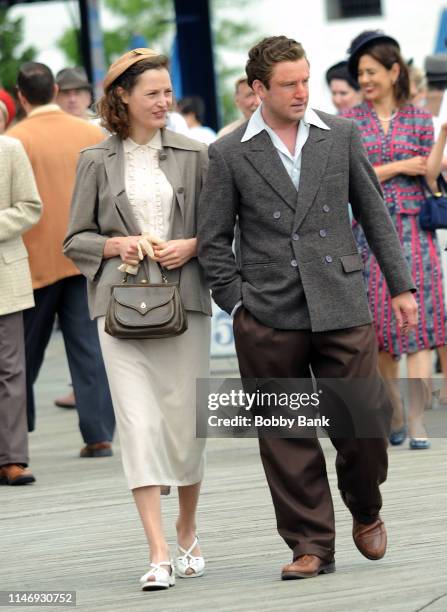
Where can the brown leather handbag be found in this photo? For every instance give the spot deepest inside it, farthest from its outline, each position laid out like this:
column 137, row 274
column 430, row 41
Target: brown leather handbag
column 145, row 310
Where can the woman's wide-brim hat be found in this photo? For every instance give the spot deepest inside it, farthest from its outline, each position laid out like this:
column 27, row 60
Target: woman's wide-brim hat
column 124, row 62
column 362, row 42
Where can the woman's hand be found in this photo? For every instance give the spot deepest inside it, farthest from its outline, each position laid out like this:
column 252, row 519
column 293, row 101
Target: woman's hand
column 415, row 166
column 125, row 247
column 175, row 253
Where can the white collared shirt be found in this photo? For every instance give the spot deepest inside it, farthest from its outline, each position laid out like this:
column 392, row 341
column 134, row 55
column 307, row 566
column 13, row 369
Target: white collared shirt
column 148, row 190
column 292, row 163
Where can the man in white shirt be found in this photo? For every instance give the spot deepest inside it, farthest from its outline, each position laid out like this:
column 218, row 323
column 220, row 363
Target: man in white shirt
column 298, row 297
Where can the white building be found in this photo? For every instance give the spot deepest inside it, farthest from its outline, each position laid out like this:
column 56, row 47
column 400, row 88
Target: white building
column 326, row 38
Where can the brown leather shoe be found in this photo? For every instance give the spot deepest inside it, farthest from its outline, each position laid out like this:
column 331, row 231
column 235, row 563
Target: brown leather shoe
column 14, row 475
column 68, row 401
column 370, row 539
column 99, row 449
column 307, row 566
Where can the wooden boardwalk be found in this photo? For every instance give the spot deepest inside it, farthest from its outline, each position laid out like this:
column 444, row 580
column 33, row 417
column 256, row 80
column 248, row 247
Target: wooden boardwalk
column 77, row 529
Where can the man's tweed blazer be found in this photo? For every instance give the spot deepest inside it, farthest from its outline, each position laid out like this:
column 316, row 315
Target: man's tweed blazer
column 20, row 208
column 300, row 267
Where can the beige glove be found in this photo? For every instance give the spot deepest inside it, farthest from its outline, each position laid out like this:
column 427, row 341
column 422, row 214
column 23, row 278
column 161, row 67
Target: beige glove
column 144, row 248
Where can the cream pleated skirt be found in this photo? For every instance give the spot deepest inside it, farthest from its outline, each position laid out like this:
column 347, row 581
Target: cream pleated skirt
column 153, row 388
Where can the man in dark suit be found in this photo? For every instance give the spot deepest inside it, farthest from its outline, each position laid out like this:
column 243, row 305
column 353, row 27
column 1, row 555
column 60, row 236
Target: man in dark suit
column 299, row 298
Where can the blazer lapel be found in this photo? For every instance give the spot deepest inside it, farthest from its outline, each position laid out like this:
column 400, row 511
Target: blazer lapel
column 114, row 165
column 314, row 159
column 265, row 159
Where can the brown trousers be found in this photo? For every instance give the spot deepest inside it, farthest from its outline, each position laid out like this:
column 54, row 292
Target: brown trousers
column 13, row 421
column 295, row 468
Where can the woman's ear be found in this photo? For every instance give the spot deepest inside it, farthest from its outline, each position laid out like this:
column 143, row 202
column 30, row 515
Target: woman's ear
column 394, row 72
column 123, row 94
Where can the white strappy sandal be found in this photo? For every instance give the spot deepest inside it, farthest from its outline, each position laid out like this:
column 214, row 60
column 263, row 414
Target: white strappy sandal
column 188, row 562
column 162, row 578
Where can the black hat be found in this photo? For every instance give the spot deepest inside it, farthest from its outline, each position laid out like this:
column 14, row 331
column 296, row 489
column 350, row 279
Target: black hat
column 361, row 42
column 72, row 78
column 436, row 67
column 340, row 71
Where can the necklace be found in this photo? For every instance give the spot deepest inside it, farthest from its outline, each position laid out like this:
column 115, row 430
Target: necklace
column 387, row 119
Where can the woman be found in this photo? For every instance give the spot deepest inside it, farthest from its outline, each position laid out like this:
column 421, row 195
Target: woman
column 7, row 110
column 398, row 138
column 20, row 209
column 146, row 180
column 344, row 88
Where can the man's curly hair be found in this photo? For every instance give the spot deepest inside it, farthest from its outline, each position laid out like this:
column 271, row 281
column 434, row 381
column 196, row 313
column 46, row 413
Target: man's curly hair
column 270, row 51
column 111, row 109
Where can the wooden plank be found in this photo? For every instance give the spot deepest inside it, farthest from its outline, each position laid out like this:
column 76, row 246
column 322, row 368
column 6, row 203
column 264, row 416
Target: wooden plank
column 77, row 529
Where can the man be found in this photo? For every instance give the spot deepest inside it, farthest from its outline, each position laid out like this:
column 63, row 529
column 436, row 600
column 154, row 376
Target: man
column 74, row 94
column 52, row 140
column 247, row 102
column 436, row 74
column 299, row 298
column 20, row 208
column 192, row 109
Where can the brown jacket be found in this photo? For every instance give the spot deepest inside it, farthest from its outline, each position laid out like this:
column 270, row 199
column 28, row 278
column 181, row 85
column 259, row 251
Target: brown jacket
column 53, row 140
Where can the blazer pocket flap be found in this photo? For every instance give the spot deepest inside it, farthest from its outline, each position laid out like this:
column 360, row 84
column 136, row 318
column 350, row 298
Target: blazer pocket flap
column 15, row 253
column 352, row 263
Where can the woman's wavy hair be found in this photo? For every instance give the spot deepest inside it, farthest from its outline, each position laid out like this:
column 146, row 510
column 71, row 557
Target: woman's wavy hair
column 387, row 55
column 111, row 109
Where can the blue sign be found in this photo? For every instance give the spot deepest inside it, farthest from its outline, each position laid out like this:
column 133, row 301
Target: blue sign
column 222, row 340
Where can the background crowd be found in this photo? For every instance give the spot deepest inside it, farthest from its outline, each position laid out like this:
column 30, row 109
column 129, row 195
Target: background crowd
column 403, row 130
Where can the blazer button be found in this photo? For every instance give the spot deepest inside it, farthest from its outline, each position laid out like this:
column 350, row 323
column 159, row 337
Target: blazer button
column 326, row 208
column 294, row 263
column 328, row 258
column 181, row 190
column 162, row 156
column 295, row 237
column 323, row 233
column 276, row 214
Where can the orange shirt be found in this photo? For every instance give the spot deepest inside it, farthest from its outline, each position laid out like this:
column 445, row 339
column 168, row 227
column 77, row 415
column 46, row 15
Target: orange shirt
column 53, row 140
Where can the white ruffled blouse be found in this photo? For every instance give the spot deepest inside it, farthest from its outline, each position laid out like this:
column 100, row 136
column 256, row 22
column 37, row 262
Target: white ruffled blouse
column 149, row 192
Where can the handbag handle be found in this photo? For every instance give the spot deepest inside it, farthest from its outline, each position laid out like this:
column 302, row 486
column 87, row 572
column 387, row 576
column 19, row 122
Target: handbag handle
column 440, row 181
column 145, row 263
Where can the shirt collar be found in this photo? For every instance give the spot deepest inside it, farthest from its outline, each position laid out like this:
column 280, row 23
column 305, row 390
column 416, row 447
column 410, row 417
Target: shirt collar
column 154, row 143
column 257, row 124
column 45, row 108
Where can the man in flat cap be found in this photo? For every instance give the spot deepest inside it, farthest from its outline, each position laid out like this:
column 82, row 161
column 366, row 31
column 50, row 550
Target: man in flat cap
column 75, row 92
column 74, row 96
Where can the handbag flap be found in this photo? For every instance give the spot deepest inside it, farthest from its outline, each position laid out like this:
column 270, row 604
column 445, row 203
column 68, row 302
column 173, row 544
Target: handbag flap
column 143, row 299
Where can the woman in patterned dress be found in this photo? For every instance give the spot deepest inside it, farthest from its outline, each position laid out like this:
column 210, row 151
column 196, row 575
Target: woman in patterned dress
column 398, row 138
